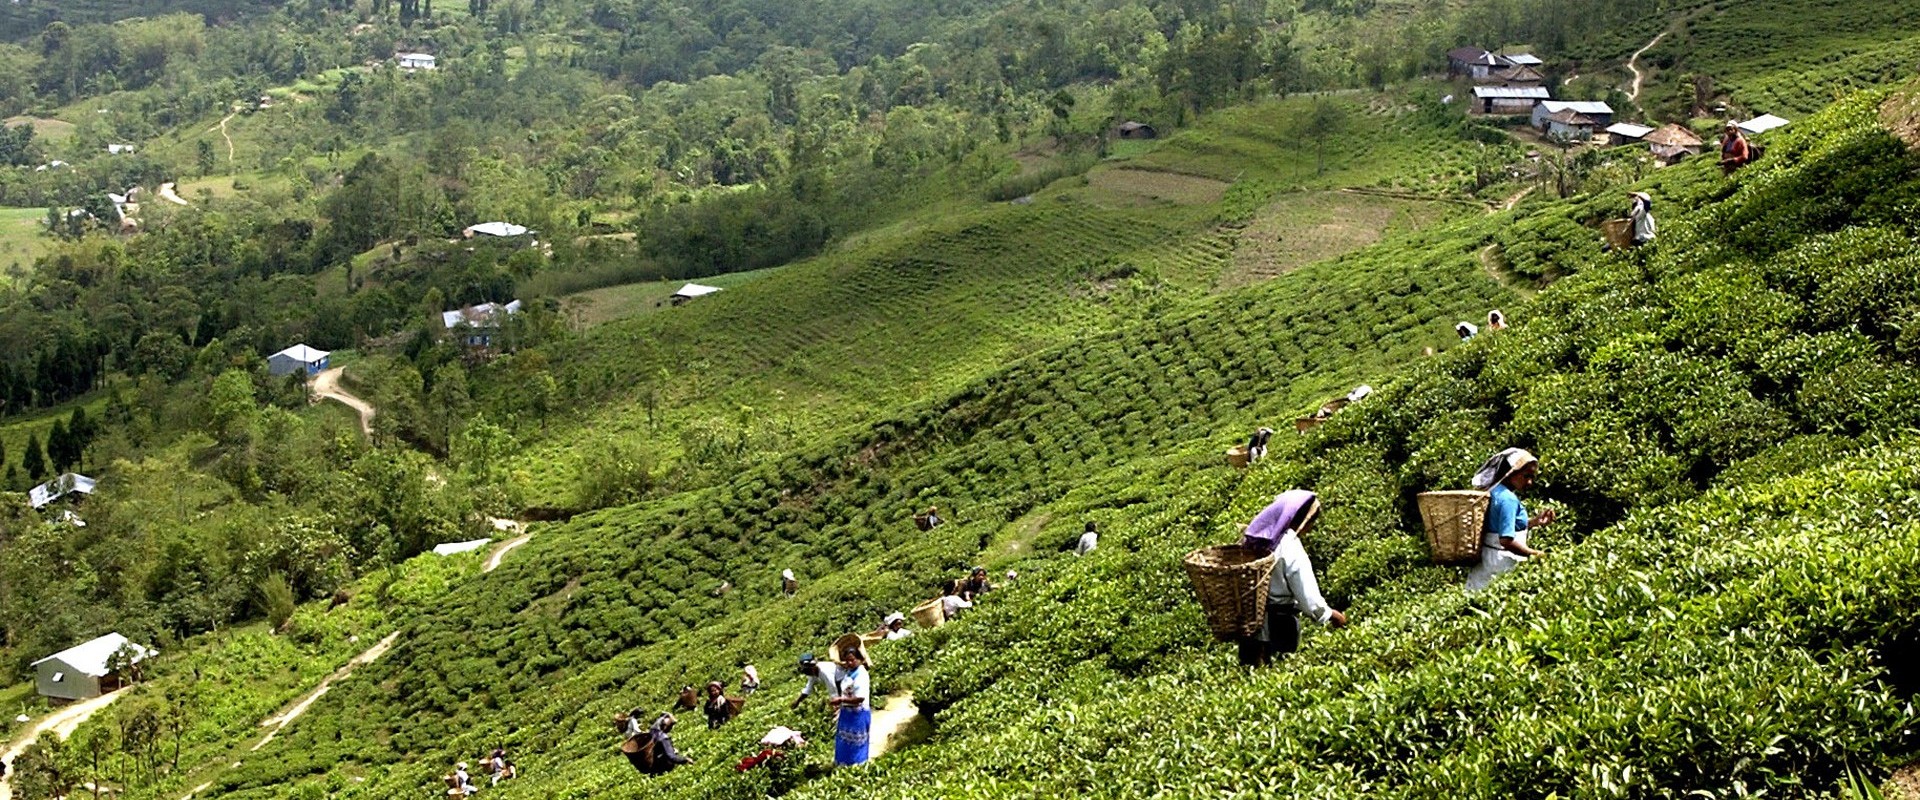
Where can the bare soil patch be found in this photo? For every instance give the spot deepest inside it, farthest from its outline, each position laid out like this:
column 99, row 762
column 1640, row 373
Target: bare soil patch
column 1144, row 187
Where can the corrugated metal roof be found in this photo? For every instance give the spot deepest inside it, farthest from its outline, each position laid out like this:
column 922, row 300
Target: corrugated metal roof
column 1525, row 59
column 40, row 496
column 91, row 657
column 1512, row 92
column 451, row 548
column 1763, row 123
column 302, row 354
column 1629, row 130
column 1579, row 106
column 696, row 290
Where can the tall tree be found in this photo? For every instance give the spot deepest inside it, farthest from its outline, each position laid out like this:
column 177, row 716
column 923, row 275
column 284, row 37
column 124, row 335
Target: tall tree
column 35, row 461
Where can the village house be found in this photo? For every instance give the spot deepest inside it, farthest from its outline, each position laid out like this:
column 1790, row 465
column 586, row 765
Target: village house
column 1507, row 100
column 1514, row 76
column 691, row 291
column 1570, row 126
column 476, row 325
column 1625, row 133
column 1762, row 124
column 1671, row 143
column 415, row 61
column 298, row 359
column 87, row 670
column 70, row 484
column 1136, row 130
column 1598, row 113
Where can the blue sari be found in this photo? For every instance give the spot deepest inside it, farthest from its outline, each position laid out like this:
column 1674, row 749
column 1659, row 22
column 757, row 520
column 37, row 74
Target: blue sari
column 852, row 726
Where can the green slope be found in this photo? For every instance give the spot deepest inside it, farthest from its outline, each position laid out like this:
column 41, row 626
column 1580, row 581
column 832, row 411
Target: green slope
column 1684, row 637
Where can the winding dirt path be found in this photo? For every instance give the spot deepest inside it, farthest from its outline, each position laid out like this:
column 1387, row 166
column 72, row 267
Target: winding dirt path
column 887, row 722
column 167, row 194
column 1633, row 65
column 327, row 384
column 501, row 550
column 1492, row 267
column 222, row 128
column 60, row 723
column 279, row 723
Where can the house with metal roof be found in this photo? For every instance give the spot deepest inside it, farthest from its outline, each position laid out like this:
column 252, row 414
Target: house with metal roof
column 298, row 359
column 88, row 669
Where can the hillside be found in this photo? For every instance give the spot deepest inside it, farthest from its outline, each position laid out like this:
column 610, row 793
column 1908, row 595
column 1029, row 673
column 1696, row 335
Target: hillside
column 1721, row 416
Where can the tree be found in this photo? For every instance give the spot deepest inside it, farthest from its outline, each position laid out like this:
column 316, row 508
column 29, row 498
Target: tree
column 231, row 406
column 59, row 447
column 1324, row 121
column 204, row 157
column 34, row 461
column 449, row 401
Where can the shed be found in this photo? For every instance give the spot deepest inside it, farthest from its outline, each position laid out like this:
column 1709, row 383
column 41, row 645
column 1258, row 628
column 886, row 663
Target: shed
column 500, row 229
column 298, row 359
column 1762, row 124
column 1507, row 100
column 690, row 291
column 1672, row 142
column 1600, row 113
column 65, row 484
column 1460, row 60
column 1515, row 76
column 119, row 149
column 1137, row 130
column 82, row 671
column 1622, row 133
column 413, row 61
column 1570, row 125
column 1487, row 64
column 480, row 321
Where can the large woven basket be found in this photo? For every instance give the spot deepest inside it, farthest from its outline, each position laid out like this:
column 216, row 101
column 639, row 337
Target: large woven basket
column 923, row 522
column 1618, row 232
column 1231, row 582
column 1454, row 521
column 1237, row 456
column 930, row 614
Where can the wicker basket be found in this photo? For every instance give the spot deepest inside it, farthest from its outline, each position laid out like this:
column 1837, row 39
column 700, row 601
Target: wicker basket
column 930, row 614
column 1454, row 521
column 1231, row 582
column 1237, row 456
column 1618, row 232
column 923, row 522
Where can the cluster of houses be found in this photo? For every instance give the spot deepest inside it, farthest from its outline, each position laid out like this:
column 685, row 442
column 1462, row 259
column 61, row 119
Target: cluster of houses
column 1512, row 84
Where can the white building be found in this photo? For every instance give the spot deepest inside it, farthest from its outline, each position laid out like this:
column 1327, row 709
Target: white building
column 413, row 61
column 68, row 483
column 500, row 229
column 1762, row 124
column 82, row 671
column 298, row 358
column 480, row 322
column 692, row 290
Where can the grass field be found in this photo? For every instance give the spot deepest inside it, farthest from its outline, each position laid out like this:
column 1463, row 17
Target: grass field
column 1299, row 229
column 597, row 307
column 23, row 239
column 50, row 131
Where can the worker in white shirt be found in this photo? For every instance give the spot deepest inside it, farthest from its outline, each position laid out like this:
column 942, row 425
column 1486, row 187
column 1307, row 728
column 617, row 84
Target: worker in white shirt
column 1088, row 541
column 819, row 673
column 894, row 627
column 1293, row 592
column 951, row 603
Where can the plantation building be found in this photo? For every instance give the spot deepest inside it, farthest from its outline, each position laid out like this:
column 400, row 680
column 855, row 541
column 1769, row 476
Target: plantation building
column 297, row 360
column 1507, row 100
column 71, row 484
column 89, row 669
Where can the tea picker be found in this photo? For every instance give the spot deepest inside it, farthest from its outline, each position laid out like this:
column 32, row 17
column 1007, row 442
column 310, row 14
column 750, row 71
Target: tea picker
column 1255, row 591
column 1503, row 540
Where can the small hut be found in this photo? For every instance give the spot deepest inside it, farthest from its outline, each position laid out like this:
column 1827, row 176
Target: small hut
column 1671, row 143
column 1137, row 130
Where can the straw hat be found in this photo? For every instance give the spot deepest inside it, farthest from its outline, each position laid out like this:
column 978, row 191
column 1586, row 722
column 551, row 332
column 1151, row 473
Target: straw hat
column 850, row 641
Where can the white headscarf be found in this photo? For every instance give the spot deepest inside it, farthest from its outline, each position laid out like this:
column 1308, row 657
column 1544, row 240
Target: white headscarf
column 1500, row 465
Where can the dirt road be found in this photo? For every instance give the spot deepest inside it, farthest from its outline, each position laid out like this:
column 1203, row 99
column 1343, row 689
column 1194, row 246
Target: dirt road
column 60, row 723
column 279, row 723
column 327, row 384
column 1633, row 66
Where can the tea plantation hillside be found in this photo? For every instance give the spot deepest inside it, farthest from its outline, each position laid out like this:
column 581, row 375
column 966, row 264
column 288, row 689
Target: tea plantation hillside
column 1724, row 418
column 922, row 308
